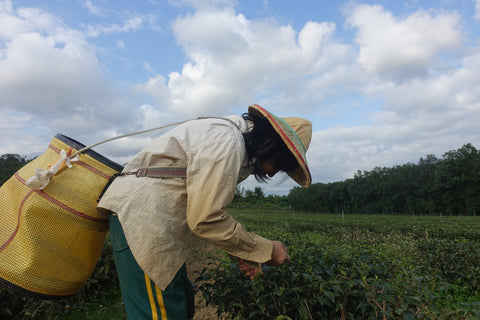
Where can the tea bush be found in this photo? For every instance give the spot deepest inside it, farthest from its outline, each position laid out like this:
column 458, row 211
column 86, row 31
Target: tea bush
column 362, row 269
column 319, row 284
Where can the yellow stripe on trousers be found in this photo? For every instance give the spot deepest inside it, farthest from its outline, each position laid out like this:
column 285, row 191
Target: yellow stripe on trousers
column 163, row 311
column 160, row 303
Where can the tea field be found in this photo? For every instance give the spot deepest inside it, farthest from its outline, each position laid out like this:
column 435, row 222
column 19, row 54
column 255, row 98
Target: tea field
column 342, row 267
column 356, row 267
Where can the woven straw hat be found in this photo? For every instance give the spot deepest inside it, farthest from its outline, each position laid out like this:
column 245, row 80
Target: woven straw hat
column 296, row 133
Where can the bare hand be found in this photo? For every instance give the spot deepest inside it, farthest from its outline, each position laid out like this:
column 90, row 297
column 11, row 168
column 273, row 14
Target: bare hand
column 279, row 254
column 248, row 270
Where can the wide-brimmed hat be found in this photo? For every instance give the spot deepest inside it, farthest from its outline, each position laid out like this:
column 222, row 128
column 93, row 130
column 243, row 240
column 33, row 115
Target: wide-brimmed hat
column 296, row 133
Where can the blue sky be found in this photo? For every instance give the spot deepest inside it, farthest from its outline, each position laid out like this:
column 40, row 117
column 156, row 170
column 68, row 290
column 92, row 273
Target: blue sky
column 384, row 82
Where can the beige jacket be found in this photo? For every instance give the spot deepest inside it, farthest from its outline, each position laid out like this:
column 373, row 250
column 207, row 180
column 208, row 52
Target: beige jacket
column 163, row 218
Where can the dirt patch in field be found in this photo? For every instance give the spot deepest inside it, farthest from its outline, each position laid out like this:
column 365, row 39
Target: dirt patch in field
column 199, row 259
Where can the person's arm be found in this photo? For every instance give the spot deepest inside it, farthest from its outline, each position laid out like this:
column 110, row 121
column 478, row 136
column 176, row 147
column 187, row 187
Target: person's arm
column 212, row 175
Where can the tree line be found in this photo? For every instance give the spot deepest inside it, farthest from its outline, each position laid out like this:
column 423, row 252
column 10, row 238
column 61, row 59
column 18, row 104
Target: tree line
column 449, row 185
column 256, row 199
column 9, row 164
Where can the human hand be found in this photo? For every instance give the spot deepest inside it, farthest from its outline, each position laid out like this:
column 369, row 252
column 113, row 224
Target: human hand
column 249, row 270
column 279, row 254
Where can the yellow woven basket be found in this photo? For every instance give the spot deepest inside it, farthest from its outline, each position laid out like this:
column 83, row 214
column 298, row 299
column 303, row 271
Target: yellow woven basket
column 51, row 239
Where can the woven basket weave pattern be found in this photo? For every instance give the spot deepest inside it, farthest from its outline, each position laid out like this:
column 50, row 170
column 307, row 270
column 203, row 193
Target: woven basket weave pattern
column 51, row 239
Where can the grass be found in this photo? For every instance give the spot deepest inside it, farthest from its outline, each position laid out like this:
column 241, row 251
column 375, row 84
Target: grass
column 110, row 309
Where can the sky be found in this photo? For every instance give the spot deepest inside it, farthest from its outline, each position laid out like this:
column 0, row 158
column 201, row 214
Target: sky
column 384, row 82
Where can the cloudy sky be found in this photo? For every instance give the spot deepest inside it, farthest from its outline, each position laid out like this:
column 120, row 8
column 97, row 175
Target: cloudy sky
column 384, row 82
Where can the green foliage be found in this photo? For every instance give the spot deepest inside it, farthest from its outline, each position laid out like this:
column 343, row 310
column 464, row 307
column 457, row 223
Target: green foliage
column 455, row 261
column 450, row 185
column 9, row 164
column 257, row 199
column 362, row 267
column 321, row 285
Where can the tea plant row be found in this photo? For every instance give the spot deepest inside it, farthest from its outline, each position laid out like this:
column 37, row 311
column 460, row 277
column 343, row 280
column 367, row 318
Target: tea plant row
column 358, row 267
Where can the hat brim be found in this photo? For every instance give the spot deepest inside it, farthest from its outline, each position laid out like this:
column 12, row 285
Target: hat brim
column 301, row 175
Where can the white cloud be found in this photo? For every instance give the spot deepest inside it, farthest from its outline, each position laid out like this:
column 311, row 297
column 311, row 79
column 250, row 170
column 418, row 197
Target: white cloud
column 24, row 20
column 133, row 23
column 422, row 102
column 477, row 9
column 234, row 61
column 424, row 116
column 402, row 48
column 50, row 75
column 6, row 6
column 92, row 8
column 204, row 4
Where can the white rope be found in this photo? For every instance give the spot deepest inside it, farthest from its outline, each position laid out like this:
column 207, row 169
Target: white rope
column 126, row 135
column 41, row 177
column 145, row 131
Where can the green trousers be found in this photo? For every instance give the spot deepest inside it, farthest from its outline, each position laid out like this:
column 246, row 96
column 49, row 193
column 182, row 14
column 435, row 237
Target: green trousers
column 141, row 297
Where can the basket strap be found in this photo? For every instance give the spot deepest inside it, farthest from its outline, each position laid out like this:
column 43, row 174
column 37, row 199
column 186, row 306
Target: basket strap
column 155, row 172
column 161, row 172
column 146, row 131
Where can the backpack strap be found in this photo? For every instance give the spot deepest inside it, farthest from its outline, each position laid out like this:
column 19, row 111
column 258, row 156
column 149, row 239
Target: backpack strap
column 161, row 172
column 156, row 172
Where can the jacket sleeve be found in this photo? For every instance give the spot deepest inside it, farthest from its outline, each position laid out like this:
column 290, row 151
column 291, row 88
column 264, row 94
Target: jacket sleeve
column 212, row 175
